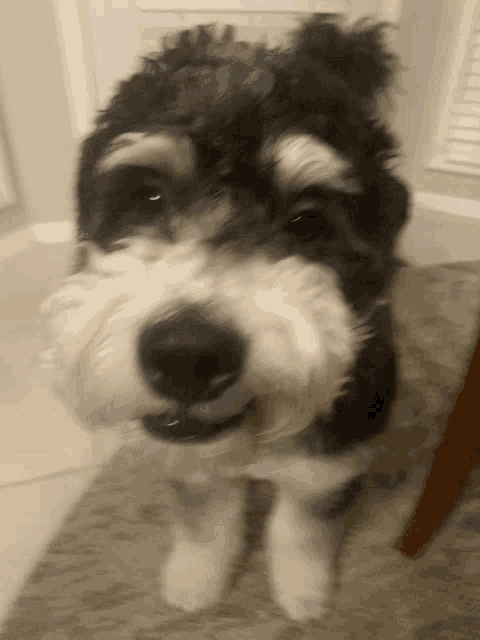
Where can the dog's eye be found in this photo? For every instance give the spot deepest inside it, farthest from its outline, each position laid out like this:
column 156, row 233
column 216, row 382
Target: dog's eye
column 147, row 194
column 310, row 222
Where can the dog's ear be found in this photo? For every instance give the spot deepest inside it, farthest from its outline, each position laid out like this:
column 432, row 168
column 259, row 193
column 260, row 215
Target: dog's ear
column 356, row 55
column 382, row 212
column 337, row 82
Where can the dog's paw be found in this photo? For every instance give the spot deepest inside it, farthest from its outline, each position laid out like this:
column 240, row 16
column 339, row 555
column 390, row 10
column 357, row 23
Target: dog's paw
column 301, row 588
column 193, row 577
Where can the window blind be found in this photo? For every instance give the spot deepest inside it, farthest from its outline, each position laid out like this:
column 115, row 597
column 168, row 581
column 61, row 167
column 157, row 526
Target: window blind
column 463, row 140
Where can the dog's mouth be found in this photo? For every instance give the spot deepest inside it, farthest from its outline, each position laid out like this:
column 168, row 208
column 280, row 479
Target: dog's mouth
column 180, row 427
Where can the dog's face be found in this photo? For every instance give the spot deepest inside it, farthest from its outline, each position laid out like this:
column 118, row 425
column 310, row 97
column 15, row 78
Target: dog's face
column 238, row 219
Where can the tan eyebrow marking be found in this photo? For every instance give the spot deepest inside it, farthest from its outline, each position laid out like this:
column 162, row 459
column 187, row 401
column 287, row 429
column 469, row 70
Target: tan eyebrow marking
column 301, row 160
column 158, row 151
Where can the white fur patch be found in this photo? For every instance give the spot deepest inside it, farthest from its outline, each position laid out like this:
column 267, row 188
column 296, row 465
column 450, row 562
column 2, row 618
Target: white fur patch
column 301, row 160
column 196, row 571
column 161, row 151
column 195, row 574
column 305, row 476
column 224, row 458
column 300, row 561
column 303, row 338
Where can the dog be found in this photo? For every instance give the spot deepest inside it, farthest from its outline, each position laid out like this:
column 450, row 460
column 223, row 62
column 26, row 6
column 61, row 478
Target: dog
column 238, row 213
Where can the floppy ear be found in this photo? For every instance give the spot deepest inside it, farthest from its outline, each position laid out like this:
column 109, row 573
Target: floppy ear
column 355, row 56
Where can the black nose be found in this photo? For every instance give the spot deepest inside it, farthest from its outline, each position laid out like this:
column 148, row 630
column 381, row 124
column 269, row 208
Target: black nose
column 191, row 359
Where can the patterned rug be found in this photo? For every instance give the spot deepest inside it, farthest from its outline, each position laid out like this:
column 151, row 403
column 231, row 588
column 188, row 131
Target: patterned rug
column 97, row 579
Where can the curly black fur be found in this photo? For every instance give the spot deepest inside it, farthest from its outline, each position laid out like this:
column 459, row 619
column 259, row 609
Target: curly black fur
column 328, row 81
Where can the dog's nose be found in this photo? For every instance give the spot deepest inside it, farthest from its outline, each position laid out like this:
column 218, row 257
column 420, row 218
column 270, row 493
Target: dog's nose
column 191, row 359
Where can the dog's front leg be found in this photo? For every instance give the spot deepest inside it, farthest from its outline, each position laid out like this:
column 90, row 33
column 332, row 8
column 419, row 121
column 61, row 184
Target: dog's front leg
column 305, row 528
column 208, row 537
column 302, row 554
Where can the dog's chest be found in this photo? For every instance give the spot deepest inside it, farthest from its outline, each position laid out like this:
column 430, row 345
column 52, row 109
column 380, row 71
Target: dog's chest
column 306, row 475
column 285, row 465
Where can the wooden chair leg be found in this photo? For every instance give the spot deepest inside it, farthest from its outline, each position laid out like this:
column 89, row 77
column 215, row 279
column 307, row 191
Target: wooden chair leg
column 455, row 458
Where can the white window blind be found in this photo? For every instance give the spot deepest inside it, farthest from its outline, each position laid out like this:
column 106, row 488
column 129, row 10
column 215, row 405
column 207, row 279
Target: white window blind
column 464, row 130
column 460, row 150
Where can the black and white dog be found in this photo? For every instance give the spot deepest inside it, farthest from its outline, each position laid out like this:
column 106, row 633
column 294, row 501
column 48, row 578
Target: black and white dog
column 237, row 223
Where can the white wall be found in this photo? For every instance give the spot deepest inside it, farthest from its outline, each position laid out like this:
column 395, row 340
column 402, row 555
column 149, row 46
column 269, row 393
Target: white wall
column 434, row 236
column 36, row 116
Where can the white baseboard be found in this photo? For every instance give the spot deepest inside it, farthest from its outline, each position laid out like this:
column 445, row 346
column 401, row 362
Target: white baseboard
column 22, row 239
column 53, row 232
column 15, row 242
column 464, row 207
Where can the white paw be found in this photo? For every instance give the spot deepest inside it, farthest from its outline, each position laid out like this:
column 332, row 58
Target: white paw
column 300, row 589
column 193, row 578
